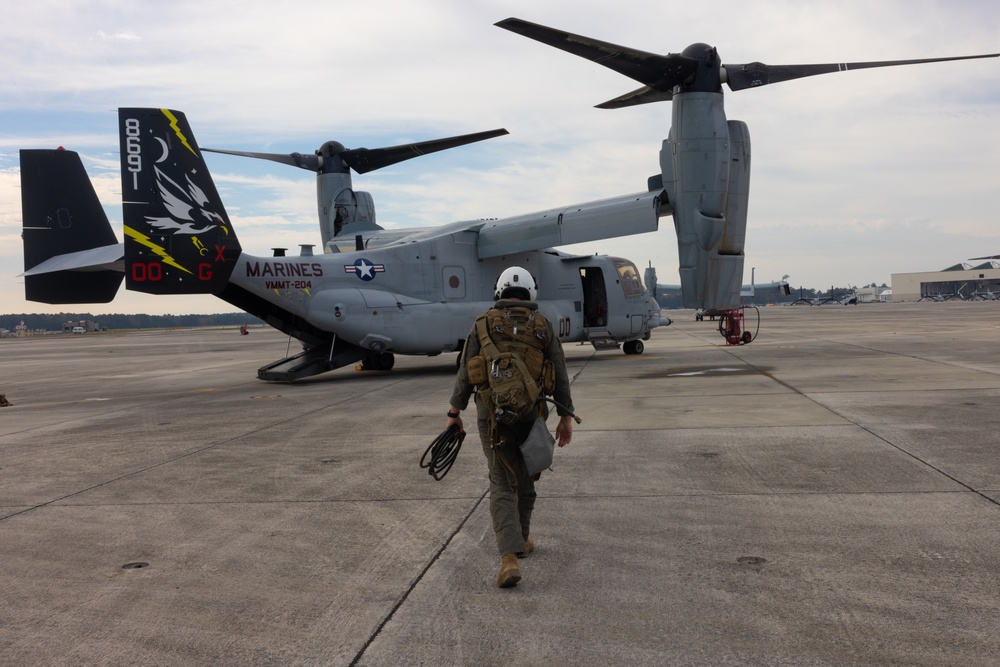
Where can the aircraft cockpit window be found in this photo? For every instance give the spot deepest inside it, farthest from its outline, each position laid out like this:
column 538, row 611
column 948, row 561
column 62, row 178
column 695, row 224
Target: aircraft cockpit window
column 629, row 277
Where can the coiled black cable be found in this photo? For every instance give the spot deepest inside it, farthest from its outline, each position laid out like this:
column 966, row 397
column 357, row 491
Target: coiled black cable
column 442, row 452
column 754, row 337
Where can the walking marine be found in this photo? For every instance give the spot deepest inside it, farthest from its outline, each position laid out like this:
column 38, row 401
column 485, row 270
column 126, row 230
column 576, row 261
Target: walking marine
column 511, row 358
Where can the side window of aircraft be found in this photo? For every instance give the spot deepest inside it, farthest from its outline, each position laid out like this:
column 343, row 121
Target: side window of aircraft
column 628, row 275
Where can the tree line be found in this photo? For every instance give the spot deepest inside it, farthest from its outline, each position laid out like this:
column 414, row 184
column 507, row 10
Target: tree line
column 55, row 322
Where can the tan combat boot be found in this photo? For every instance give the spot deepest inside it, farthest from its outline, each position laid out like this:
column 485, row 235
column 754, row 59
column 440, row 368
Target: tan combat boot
column 509, row 573
column 529, row 546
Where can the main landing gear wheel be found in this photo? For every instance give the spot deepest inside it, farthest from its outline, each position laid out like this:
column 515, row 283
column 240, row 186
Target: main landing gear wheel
column 382, row 361
column 633, row 347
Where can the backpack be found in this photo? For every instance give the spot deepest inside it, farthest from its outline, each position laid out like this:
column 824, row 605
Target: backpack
column 511, row 371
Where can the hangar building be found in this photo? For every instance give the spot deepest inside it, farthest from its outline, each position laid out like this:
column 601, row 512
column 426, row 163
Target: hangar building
column 964, row 280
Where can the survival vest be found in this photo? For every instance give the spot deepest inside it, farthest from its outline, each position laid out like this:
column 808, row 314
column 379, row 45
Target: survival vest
column 511, row 371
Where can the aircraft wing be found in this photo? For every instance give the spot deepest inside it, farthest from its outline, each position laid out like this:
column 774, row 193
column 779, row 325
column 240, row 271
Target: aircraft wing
column 579, row 223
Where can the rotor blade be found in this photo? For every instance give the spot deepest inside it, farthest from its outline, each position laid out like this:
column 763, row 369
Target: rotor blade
column 308, row 162
column 658, row 72
column 643, row 95
column 363, row 160
column 753, row 75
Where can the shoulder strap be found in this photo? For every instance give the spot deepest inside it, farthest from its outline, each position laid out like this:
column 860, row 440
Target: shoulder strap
column 486, row 343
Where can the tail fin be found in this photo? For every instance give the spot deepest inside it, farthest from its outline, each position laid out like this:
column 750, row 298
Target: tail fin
column 71, row 254
column 178, row 238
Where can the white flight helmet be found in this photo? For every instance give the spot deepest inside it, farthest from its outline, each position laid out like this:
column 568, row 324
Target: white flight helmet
column 515, row 279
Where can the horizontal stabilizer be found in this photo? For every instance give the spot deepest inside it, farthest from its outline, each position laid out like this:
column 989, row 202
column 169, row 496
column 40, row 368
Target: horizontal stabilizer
column 106, row 258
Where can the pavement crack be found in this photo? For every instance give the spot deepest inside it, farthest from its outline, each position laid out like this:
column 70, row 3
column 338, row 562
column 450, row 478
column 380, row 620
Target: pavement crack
column 416, row 581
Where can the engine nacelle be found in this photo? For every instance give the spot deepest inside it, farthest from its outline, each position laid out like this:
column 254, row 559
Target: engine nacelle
column 705, row 165
column 343, row 211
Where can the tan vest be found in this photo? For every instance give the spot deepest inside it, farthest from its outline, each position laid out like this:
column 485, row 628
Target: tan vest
column 511, row 368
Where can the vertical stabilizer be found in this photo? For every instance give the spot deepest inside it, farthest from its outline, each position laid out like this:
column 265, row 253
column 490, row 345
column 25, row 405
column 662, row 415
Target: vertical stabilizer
column 71, row 254
column 178, row 238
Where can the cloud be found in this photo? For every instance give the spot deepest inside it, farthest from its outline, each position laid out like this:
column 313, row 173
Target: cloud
column 854, row 174
column 121, row 35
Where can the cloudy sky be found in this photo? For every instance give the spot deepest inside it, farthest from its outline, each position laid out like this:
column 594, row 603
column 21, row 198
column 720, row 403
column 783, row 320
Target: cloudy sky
column 855, row 175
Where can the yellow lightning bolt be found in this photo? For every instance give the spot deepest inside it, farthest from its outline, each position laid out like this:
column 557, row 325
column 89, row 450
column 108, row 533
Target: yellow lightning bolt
column 287, row 293
column 177, row 130
column 142, row 239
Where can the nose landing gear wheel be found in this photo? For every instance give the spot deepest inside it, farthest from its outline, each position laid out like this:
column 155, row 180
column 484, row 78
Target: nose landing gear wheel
column 382, row 361
column 633, row 347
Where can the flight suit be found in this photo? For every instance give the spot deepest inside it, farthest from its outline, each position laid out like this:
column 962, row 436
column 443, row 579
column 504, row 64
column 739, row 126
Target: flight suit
column 512, row 491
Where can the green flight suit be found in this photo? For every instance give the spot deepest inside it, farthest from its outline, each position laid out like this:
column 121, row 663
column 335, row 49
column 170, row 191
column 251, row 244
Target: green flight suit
column 512, row 491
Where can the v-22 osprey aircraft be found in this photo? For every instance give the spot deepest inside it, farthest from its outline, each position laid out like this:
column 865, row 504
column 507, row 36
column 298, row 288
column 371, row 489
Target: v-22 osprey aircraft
column 373, row 292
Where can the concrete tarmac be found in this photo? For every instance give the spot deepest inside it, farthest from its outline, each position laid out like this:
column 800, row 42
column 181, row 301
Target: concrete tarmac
column 827, row 495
